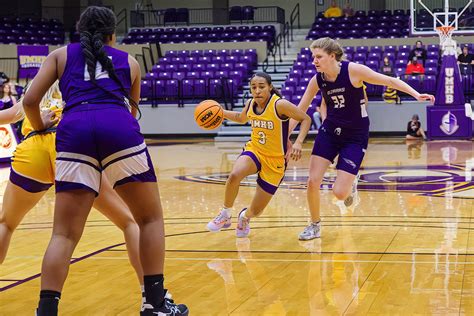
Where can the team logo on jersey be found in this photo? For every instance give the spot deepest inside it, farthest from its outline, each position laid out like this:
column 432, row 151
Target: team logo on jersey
column 338, row 131
column 449, row 123
column 5, row 138
column 435, row 180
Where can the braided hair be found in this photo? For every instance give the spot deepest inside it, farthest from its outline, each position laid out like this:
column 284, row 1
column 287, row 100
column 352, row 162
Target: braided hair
column 268, row 79
column 95, row 25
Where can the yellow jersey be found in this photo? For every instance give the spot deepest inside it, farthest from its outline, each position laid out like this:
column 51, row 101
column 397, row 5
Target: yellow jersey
column 54, row 104
column 269, row 131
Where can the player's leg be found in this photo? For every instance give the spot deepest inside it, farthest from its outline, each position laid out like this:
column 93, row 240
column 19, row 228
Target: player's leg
column 317, row 168
column 17, row 202
column 245, row 165
column 259, row 202
column 111, row 205
column 325, row 150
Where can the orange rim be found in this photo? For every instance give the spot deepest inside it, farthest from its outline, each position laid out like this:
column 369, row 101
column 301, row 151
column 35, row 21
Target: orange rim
column 444, row 29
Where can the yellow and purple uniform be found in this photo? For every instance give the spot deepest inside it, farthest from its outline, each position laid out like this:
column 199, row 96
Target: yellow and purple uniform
column 267, row 146
column 33, row 162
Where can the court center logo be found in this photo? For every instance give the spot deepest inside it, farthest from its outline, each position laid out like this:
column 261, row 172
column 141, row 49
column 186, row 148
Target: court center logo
column 449, row 123
column 434, row 180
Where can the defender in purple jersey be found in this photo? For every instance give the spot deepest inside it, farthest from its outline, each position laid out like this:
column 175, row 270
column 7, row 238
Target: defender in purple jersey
column 98, row 134
column 345, row 128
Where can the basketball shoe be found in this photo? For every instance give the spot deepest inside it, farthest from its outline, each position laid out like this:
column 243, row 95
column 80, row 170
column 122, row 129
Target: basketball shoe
column 243, row 225
column 312, row 231
column 169, row 308
column 223, row 220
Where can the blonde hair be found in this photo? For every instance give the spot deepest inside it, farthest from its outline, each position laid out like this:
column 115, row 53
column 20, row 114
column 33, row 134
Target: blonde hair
column 53, row 93
column 329, row 46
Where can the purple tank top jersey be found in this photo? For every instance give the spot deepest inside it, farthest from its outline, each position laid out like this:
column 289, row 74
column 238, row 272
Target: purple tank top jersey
column 345, row 103
column 75, row 84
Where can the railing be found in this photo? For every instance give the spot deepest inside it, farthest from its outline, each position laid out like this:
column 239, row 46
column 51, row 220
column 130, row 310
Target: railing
column 281, row 40
column 151, row 18
column 147, row 57
column 295, row 15
column 10, row 67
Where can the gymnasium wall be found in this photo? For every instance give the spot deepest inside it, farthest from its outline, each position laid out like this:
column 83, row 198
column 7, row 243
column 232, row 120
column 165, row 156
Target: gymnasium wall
column 171, row 120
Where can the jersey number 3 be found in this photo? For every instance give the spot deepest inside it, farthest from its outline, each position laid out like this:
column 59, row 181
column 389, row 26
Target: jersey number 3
column 262, row 138
column 338, row 101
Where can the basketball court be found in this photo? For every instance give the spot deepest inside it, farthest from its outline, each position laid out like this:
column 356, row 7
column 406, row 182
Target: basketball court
column 406, row 248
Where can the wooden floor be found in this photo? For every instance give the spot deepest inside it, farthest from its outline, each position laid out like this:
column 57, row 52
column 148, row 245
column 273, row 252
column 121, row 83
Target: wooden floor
column 406, row 248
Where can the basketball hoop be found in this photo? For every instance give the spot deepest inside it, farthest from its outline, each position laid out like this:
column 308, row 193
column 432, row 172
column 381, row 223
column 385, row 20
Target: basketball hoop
column 448, row 45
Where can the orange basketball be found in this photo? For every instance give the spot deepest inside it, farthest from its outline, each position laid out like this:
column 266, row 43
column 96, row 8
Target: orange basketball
column 208, row 114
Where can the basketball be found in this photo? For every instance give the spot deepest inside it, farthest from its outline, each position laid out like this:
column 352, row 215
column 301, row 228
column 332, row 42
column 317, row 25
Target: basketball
column 208, row 114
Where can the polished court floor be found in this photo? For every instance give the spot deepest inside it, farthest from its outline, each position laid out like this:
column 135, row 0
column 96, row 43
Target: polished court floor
column 406, row 248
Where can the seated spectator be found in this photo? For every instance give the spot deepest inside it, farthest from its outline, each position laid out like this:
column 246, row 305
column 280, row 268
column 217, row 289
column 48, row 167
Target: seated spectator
column 7, row 100
column 414, row 129
column 390, row 95
column 333, row 11
column 465, row 61
column 348, row 11
column 415, row 68
column 387, row 68
column 418, row 52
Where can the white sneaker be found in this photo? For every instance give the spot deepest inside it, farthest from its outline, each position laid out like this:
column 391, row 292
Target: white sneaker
column 311, row 231
column 219, row 222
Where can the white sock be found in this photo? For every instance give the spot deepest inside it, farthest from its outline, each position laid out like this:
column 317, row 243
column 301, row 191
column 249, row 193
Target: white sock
column 227, row 211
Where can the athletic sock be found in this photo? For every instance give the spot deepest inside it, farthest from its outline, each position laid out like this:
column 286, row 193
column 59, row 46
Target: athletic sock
column 154, row 291
column 48, row 304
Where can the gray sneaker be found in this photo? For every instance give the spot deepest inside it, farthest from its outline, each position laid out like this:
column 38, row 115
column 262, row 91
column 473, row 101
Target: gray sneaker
column 350, row 199
column 311, row 231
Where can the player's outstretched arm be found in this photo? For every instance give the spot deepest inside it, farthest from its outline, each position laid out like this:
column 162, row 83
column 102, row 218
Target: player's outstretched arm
column 239, row 117
column 305, row 101
column 365, row 74
column 13, row 114
column 288, row 109
column 46, row 76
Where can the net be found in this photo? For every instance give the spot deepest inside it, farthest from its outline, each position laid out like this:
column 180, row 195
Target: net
column 448, row 45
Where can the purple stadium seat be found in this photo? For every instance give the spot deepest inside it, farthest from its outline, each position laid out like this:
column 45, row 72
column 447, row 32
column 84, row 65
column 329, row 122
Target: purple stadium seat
column 414, row 82
column 291, row 82
column 206, row 74
column 178, row 75
column 159, row 87
column 145, row 91
column 399, row 71
column 431, row 63
column 429, row 84
column 404, row 48
column 171, row 88
column 433, row 54
column 192, row 75
column 171, row 68
column 297, row 74
column 403, row 56
column 431, row 71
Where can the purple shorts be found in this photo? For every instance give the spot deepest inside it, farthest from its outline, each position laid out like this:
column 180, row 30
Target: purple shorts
column 92, row 138
column 349, row 144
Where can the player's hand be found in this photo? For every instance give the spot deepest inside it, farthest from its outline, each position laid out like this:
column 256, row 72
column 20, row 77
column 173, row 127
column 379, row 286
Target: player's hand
column 289, row 146
column 426, row 97
column 296, row 151
column 49, row 118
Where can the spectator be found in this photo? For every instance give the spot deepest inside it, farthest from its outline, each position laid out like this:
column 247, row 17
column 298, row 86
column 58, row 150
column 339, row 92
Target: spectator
column 387, row 68
column 348, row 11
column 415, row 68
column 7, row 100
column 414, row 129
column 418, row 52
column 465, row 61
column 334, row 11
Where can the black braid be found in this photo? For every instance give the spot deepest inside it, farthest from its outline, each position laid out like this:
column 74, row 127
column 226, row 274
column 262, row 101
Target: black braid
column 94, row 26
